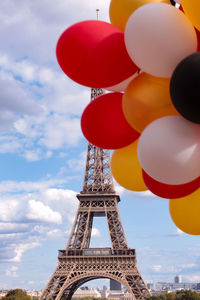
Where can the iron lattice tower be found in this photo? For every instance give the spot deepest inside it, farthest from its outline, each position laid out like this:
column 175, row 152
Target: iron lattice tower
column 79, row 263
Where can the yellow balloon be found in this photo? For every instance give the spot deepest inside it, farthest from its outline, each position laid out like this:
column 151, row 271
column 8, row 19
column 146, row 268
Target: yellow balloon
column 146, row 99
column 192, row 11
column 126, row 168
column 121, row 10
column 185, row 213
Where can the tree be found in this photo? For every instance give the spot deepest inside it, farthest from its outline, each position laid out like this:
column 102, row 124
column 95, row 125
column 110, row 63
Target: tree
column 179, row 295
column 187, row 295
column 17, row 294
column 166, row 296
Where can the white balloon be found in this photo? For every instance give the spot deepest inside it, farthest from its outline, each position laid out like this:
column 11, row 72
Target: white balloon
column 157, row 37
column 169, row 150
column 120, row 87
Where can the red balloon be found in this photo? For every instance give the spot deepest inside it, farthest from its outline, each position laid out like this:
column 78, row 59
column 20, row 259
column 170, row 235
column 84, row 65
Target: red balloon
column 198, row 39
column 93, row 54
column 170, row 191
column 104, row 125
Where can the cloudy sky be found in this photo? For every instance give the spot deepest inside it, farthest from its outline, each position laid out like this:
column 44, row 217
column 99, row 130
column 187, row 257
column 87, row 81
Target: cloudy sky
column 42, row 153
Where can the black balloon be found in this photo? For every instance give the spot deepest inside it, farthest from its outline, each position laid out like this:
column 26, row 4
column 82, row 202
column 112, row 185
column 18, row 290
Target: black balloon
column 173, row 2
column 185, row 88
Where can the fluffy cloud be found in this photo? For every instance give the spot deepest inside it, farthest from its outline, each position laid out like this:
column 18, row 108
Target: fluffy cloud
column 39, row 106
column 36, row 115
column 77, row 165
column 7, row 228
column 12, row 271
column 29, row 213
column 37, row 211
column 96, row 233
column 157, row 268
column 34, row 26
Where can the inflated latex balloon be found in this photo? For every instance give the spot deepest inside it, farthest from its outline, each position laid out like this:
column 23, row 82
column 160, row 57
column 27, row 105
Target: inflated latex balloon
column 126, row 169
column 185, row 213
column 146, row 99
column 104, row 125
column 192, row 11
column 121, row 10
column 120, row 87
column 198, row 40
column 157, row 37
column 93, row 54
column 168, row 150
column 170, row 191
column 185, row 87
column 197, row 32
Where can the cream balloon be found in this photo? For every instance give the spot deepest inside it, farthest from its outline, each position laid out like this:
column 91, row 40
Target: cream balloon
column 157, row 37
column 168, row 150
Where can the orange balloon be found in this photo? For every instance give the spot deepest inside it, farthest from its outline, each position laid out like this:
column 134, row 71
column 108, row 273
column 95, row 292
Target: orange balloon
column 126, row 168
column 146, row 99
column 185, row 213
column 121, row 10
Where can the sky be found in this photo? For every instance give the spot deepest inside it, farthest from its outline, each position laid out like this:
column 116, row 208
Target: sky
column 42, row 158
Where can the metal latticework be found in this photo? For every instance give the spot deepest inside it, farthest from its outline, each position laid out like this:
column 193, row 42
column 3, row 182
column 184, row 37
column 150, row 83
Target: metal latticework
column 79, row 263
column 98, row 178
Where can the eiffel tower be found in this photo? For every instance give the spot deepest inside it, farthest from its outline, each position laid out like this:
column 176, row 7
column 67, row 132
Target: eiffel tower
column 79, row 263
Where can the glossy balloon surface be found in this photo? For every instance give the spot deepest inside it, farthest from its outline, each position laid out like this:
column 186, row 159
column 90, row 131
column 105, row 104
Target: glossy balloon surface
column 146, row 99
column 185, row 213
column 126, row 168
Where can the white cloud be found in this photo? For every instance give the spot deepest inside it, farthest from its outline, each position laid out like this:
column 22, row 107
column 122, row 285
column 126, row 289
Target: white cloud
column 9, row 210
column 12, row 272
column 29, row 212
column 21, row 22
column 8, row 187
column 96, row 233
column 61, row 200
column 119, row 189
column 37, row 211
column 55, row 234
column 41, row 106
column 192, row 278
column 44, row 92
column 15, row 96
column 9, row 144
column 21, row 248
column 76, row 165
column 157, row 268
column 188, row 266
column 145, row 194
column 7, row 228
column 60, row 131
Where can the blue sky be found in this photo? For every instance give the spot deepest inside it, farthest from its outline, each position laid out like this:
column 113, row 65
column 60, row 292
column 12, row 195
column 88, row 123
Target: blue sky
column 42, row 157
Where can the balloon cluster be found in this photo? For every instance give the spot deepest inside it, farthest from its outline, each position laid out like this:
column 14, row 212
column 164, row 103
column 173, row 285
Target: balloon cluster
column 148, row 57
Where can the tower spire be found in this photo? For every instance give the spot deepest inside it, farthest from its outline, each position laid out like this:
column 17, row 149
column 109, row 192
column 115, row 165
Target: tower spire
column 97, row 10
column 98, row 177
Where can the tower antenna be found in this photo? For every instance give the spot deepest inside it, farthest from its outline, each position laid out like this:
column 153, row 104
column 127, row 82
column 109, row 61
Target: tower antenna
column 97, row 10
